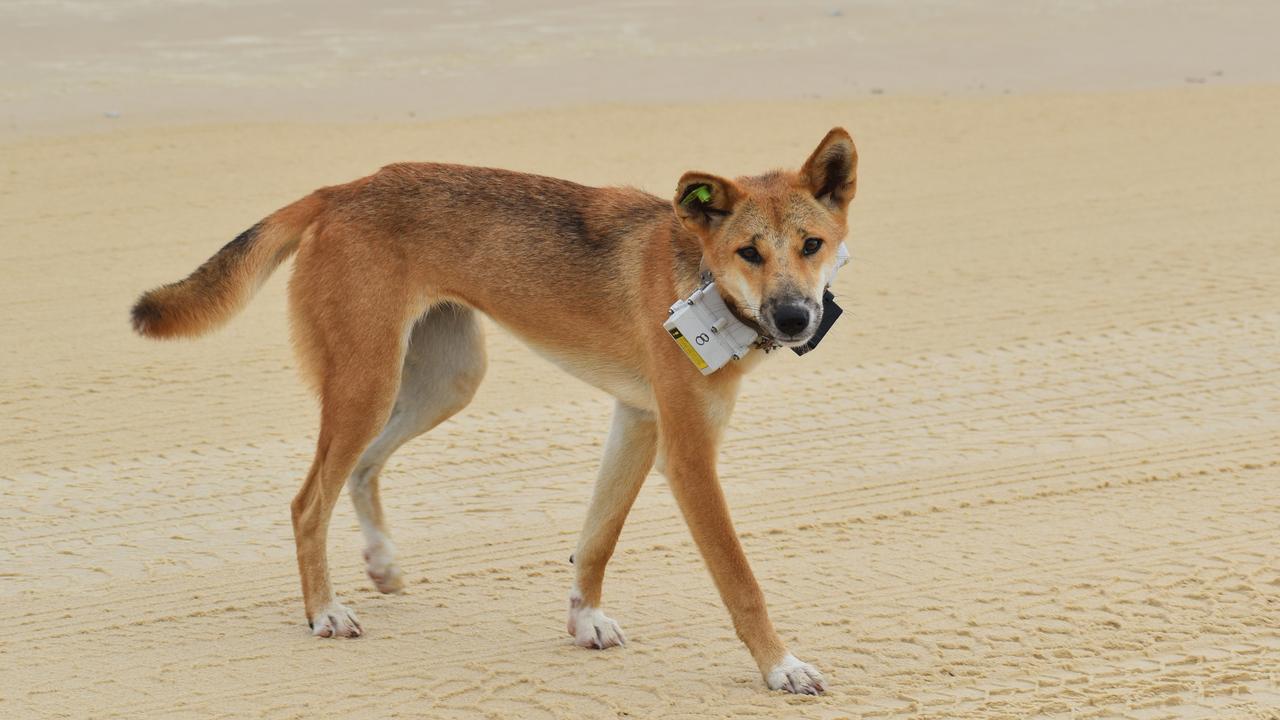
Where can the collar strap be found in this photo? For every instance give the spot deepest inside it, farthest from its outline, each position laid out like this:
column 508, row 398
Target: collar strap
column 766, row 344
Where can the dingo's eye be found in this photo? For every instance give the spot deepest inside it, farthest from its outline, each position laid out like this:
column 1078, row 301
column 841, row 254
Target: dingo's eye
column 811, row 245
column 750, row 254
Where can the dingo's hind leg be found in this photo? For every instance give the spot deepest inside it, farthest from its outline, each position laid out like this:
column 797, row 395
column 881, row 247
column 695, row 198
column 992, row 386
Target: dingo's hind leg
column 443, row 366
column 356, row 398
column 354, row 357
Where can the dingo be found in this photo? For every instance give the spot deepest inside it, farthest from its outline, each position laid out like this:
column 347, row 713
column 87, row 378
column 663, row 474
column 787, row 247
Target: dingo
column 391, row 270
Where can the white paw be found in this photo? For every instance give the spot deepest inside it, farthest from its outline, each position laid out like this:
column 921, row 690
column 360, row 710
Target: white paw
column 795, row 677
column 591, row 628
column 335, row 620
column 380, row 564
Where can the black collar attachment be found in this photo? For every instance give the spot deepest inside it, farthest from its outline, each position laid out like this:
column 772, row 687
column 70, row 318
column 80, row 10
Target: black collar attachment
column 830, row 313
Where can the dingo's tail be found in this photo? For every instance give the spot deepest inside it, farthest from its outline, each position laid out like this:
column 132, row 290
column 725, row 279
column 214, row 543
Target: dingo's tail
column 219, row 288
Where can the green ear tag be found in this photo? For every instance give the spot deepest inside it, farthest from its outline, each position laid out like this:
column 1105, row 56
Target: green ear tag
column 701, row 193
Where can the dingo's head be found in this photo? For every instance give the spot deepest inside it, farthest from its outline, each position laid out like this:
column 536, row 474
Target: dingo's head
column 770, row 241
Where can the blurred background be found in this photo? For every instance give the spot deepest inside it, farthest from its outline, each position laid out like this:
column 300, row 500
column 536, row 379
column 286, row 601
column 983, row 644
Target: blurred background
column 77, row 63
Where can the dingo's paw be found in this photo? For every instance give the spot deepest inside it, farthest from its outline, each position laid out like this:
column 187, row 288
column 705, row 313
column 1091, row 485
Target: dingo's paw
column 335, row 620
column 380, row 564
column 795, row 677
column 591, row 628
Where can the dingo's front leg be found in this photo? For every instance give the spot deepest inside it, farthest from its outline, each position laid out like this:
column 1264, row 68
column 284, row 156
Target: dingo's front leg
column 628, row 455
column 690, row 434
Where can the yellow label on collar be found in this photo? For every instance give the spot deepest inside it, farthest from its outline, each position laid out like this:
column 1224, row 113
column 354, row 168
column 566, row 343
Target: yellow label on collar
column 687, row 347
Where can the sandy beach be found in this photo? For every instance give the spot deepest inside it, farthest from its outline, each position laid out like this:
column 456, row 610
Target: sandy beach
column 1035, row 470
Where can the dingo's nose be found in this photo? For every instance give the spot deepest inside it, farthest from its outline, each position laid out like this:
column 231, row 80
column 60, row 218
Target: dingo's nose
column 791, row 319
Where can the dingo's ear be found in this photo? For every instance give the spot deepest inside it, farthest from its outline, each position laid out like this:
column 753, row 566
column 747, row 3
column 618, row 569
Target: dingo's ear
column 702, row 201
column 831, row 172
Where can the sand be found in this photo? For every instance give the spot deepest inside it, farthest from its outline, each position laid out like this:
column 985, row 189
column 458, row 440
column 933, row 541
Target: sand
column 1032, row 473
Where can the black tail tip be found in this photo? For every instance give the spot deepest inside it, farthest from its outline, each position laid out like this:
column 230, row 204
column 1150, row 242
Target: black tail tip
column 146, row 315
